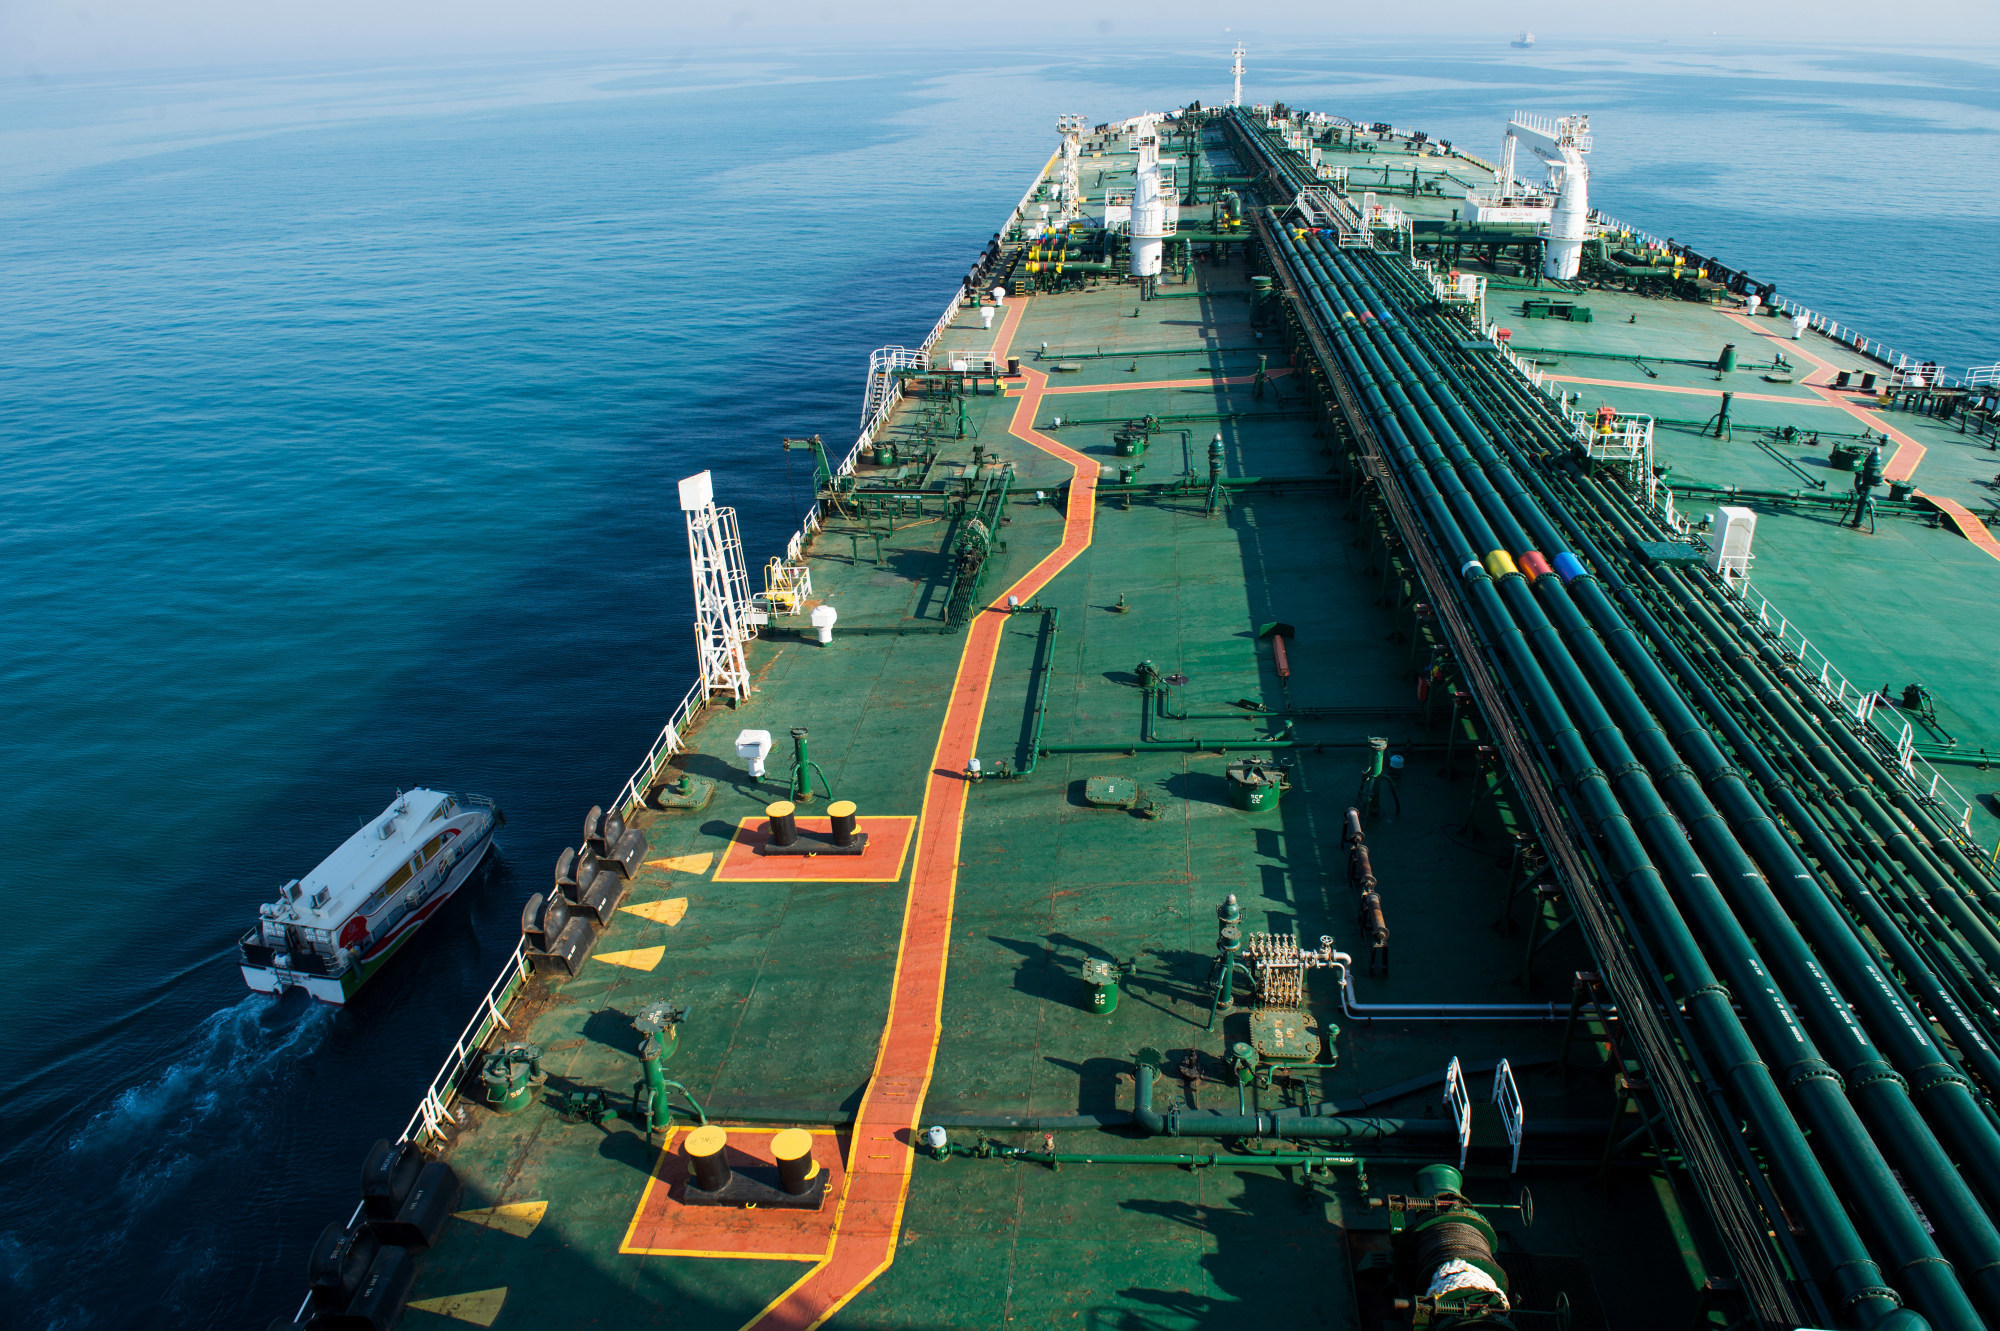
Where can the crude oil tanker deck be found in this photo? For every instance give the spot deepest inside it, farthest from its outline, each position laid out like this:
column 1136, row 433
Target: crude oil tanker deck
column 1268, row 789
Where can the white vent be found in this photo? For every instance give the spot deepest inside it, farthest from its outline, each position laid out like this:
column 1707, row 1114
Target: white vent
column 1729, row 541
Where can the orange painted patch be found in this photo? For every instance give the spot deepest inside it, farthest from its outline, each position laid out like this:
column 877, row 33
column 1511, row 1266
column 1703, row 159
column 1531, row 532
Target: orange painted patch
column 1909, row 452
column 1968, row 525
column 881, row 1152
column 665, row 1227
column 881, row 861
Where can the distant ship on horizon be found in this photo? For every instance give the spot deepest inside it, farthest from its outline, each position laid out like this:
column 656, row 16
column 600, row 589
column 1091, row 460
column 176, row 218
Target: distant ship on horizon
column 1523, row 42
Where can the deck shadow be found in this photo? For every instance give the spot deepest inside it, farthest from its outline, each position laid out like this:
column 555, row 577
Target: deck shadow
column 1038, row 975
column 612, row 1029
column 631, row 1149
column 1096, row 1082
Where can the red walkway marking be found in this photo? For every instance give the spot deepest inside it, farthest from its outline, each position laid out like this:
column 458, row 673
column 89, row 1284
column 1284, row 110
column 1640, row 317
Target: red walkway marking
column 870, row 1216
column 1969, row 526
column 1908, row 451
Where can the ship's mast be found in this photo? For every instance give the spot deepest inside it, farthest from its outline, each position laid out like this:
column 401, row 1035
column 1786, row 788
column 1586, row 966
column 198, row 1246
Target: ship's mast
column 1236, row 98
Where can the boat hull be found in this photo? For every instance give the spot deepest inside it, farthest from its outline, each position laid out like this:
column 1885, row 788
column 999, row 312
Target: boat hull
column 338, row 989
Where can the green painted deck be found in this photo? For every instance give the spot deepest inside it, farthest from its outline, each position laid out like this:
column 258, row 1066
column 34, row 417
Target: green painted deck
column 788, row 984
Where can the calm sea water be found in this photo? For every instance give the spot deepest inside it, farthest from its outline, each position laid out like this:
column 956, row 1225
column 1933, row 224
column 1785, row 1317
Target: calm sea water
column 340, row 410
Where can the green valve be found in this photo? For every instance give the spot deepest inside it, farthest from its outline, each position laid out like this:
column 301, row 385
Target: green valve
column 1257, row 784
column 1243, row 1062
column 659, row 1023
column 1102, row 977
column 512, row 1075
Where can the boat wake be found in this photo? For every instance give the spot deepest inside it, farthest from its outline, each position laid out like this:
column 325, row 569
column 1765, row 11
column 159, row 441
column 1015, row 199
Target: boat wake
column 238, row 1054
column 165, row 1158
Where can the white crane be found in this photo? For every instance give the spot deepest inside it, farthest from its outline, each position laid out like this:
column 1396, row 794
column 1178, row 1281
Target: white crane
column 1561, row 145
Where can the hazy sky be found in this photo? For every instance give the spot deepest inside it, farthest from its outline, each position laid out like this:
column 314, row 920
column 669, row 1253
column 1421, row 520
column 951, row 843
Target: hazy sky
column 52, row 36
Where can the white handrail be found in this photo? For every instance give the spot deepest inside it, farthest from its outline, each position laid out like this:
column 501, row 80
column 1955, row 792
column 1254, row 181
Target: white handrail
column 1513, row 1116
column 1883, row 728
column 1845, row 334
column 435, row 1107
column 1892, row 736
column 1460, row 1099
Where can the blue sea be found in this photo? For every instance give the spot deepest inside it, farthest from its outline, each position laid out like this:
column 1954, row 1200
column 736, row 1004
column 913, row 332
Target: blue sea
column 341, row 408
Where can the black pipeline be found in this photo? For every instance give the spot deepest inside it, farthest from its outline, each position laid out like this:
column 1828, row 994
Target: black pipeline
column 1943, row 1090
column 1314, row 1127
column 1829, row 932
column 1617, row 718
column 1842, row 1259
column 1877, row 1087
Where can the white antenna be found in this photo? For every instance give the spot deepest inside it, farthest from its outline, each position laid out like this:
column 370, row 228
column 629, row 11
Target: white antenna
column 721, row 589
column 1236, row 98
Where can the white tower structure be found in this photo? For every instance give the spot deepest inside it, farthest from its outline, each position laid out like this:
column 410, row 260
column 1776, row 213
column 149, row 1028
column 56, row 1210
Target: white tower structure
column 1561, row 145
column 1068, row 192
column 1149, row 219
column 721, row 590
column 1236, row 97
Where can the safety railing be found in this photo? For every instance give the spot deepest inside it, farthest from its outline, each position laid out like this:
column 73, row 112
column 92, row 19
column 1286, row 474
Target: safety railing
column 1513, row 1116
column 1883, row 728
column 1832, row 329
column 1912, row 374
column 665, row 745
column 435, row 1107
column 1459, row 1104
column 1020, row 213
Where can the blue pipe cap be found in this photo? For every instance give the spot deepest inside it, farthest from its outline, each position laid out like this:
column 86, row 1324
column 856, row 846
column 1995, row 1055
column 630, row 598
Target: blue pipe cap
column 1570, row 567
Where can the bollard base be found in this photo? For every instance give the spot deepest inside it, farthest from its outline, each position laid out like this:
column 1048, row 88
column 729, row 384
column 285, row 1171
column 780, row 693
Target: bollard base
column 816, row 843
column 747, row 1188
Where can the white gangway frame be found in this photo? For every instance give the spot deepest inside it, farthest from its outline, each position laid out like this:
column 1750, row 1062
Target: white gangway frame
column 1460, row 1100
column 721, row 590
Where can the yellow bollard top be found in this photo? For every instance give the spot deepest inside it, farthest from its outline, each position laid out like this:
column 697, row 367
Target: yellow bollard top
column 840, row 809
column 706, row 1141
column 780, row 809
column 792, row 1144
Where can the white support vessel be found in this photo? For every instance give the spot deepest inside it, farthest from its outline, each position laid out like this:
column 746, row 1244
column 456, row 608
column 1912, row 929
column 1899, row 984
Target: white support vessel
column 330, row 931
